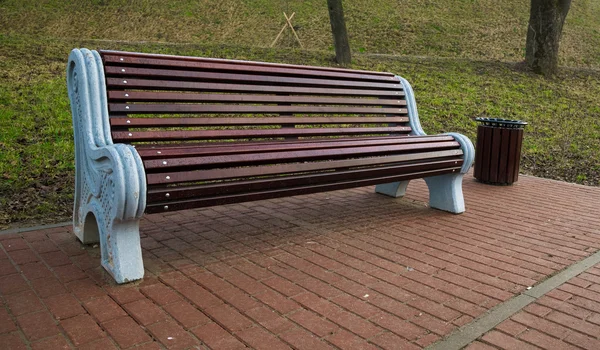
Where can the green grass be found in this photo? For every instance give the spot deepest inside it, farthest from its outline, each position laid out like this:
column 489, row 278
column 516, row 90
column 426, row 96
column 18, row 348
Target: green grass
column 471, row 70
column 475, row 29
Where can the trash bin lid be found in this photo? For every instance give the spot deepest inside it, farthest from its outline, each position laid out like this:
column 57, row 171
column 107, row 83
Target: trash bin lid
column 501, row 123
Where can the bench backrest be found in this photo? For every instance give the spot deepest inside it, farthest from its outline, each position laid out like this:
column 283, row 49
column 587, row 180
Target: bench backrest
column 152, row 97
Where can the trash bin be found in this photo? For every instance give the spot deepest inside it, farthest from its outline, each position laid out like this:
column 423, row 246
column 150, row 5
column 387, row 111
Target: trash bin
column 498, row 150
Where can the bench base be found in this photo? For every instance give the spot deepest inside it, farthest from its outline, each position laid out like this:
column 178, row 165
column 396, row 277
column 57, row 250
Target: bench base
column 445, row 191
column 120, row 248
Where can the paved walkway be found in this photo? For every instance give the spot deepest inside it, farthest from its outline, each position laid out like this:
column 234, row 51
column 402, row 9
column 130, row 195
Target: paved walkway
column 347, row 269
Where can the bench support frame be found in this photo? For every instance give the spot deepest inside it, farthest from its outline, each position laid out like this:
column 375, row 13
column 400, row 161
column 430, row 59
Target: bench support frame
column 110, row 182
column 445, row 191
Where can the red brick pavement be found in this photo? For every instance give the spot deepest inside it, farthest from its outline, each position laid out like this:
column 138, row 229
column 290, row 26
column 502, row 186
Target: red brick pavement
column 567, row 317
column 346, row 269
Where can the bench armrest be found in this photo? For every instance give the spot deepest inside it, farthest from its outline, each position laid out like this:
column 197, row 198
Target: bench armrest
column 415, row 124
column 411, row 105
column 104, row 171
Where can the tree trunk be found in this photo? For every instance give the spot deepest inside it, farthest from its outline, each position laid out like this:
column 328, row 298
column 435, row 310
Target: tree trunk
column 338, row 28
column 546, row 21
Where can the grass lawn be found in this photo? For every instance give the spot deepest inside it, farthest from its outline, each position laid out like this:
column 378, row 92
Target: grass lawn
column 461, row 59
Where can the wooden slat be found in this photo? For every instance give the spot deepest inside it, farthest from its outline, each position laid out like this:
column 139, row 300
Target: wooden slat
column 128, row 72
column 293, row 156
column 158, row 194
column 188, row 150
column 204, row 108
column 486, row 154
column 285, row 192
column 128, row 55
column 226, row 87
column 243, row 143
column 495, row 153
column 504, row 148
column 152, row 96
column 515, row 154
column 236, row 66
column 264, row 170
column 478, row 165
column 184, row 122
column 133, row 136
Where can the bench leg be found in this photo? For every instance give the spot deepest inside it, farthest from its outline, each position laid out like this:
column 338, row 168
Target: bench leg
column 110, row 181
column 121, row 253
column 445, row 192
column 392, row 189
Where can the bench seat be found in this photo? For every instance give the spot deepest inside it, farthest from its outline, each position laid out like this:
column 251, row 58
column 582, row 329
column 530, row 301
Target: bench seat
column 159, row 133
column 219, row 174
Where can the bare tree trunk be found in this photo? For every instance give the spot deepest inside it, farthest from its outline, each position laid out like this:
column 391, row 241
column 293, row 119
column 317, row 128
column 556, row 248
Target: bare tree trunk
column 546, row 21
column 338, row 28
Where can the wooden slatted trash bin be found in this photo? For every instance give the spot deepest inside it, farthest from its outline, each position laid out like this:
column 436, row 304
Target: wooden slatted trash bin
column 498, row 150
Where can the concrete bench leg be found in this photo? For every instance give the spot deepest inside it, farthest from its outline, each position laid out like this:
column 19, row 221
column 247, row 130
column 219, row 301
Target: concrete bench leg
column 121, row 254
column 445, row 192
column 392, row 189
column 110, row 182
column 103, row 189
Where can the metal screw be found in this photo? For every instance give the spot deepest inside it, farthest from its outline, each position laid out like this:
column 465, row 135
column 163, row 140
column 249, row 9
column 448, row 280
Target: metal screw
column 124, row 81
column 122, row 70
column 168, row 178
column 126, row 107
column 166, row 207
column 121, row 59
column 129, row 122
column 165, row 162
column 126, row 95
column 159, row 152
column 168, row 195
column 130, row 134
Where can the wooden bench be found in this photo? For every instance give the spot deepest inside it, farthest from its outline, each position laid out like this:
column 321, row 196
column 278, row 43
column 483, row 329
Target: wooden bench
column 158, row 133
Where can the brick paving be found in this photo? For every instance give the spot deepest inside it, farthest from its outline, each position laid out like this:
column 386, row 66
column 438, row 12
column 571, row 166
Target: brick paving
column 567, row 317
column 346, row 269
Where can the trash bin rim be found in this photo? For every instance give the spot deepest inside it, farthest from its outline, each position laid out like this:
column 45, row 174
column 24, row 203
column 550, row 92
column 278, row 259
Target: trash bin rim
column 498, row 122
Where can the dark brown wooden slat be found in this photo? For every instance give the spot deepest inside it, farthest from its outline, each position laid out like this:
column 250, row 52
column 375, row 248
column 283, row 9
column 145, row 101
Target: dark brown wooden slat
column 158, row 152
column 503, row 163
column 226, row 87
column 246, row 197
column 264, row 170
column 228, row 66
column 242, row 78
column 478, row 165
column 512, row 153
column 239, row 144
column 293, row 156
column 485, row 164
column 518, row 144
column 151, row 96
column 133, row 136
column 242, row 143
column 495, row 154
column 183, row 192
column 203, row 108
column 125, row 55
column 184, row 122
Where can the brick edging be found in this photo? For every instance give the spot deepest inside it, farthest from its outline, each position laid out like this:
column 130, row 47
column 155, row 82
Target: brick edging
column 34, row 228
column 488, row 321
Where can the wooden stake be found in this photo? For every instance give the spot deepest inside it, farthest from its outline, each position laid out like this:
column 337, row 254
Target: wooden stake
column 288, row 23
